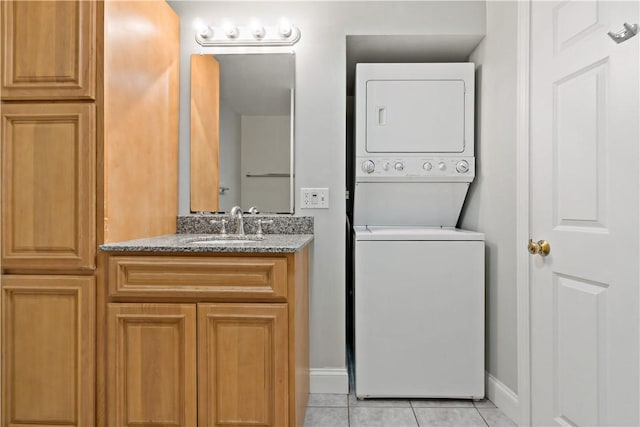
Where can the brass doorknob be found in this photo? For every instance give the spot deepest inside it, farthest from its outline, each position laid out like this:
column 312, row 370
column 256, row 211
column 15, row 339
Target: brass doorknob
column 542, row 247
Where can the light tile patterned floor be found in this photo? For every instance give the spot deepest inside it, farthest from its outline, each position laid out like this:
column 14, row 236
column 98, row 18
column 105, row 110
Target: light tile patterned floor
column 341, row 410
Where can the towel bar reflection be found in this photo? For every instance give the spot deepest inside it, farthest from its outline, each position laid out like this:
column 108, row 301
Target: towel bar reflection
column 268, row 175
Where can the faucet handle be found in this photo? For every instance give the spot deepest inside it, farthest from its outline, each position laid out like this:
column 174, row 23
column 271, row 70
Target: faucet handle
column 259, row 223
column 253, row 210
column 223, row 222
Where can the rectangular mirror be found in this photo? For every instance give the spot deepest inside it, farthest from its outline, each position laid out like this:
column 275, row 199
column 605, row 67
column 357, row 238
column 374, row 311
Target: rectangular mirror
column 242, row 115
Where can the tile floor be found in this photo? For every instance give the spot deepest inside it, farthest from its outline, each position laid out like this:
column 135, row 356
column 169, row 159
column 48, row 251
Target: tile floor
column 341, row 410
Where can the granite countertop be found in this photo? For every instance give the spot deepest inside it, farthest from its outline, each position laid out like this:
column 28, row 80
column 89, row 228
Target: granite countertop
column 272, row 243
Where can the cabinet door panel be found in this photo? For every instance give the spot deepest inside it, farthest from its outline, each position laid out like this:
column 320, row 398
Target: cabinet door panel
column 48, row 186
column 242, row 365
column 48, row 342
column 48, row 49
column 151, row 362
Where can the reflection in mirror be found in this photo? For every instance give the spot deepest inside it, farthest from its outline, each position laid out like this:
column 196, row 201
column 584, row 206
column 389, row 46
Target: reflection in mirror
column 242, row 132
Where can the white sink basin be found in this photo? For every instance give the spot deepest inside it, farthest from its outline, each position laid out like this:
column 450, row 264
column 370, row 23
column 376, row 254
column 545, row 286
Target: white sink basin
column 223, row 240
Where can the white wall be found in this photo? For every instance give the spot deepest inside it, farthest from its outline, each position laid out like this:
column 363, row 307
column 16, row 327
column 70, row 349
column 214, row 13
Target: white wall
column 265, row 149
column 320, row 122
column 229, row 159
column 491, row 202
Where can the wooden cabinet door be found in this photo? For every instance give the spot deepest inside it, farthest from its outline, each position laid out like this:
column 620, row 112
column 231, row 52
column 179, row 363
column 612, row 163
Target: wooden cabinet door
column 48, row 350
column 48, row 186
column 48, row 49
column 242, row 365
column 205, row 133
column 151, row 365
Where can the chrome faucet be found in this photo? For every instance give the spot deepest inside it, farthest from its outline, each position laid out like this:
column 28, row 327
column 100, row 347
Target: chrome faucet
column 236, row 212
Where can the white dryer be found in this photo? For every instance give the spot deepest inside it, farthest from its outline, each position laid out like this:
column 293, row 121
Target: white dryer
column 419, row 281
column 414, row 148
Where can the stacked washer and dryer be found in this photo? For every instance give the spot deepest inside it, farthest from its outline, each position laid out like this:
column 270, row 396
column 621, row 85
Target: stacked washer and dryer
column 419, row 281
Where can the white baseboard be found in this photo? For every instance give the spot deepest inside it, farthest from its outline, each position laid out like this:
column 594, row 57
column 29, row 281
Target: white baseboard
column 329, row 380
column 503, row 397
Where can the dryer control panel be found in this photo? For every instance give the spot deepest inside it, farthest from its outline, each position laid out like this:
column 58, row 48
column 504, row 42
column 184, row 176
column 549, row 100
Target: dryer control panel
column 378, row 168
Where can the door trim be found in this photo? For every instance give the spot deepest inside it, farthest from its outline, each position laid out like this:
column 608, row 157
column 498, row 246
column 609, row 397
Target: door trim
column 522, row 211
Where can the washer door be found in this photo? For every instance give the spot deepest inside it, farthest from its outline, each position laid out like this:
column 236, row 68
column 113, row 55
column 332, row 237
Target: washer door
column 415, row 116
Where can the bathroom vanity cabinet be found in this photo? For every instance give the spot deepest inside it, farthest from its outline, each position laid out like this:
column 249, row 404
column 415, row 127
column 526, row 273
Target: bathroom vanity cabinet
column 205, row 339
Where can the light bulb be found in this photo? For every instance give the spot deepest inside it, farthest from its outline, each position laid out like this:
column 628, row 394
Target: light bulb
column 230, row 30
column 285, row 28
column 205, row 32
column 257, row 29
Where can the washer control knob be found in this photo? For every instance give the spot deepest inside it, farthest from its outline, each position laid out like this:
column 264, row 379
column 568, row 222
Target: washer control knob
column 368, row 166
column 398, row 166
column 462, row 166
column 442, row 166
column 427, row 166
column 386, row 166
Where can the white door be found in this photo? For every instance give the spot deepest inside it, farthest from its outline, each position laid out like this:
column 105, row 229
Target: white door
column 584, row 202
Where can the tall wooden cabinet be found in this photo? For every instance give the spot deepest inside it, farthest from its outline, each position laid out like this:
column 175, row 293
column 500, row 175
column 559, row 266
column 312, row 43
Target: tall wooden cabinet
column 88, row 155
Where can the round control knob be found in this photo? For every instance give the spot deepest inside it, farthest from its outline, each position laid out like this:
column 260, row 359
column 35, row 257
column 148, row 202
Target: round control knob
column 368, row 166
column 427, row 166
column 462, row 166
column 398, row 166
column 442, row 166
column 386, row 166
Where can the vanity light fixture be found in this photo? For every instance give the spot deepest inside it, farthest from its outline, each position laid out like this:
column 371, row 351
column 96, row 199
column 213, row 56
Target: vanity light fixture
column 254, row 34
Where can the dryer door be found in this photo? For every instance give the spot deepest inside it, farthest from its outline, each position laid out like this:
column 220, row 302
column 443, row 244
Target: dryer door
column 415, row 116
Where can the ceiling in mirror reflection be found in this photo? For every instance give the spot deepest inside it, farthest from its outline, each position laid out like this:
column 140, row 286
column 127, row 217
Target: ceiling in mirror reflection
column 257, row 84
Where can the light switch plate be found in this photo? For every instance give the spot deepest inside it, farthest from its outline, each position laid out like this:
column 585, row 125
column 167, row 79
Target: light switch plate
column 315, row 198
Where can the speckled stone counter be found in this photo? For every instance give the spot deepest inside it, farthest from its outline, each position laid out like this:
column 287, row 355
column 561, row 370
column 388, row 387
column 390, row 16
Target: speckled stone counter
column 192, row 243
column 282, row 224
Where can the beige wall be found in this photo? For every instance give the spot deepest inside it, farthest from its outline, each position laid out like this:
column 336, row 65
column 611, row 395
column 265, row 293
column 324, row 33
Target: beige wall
column 265, row 149
column 229, row 157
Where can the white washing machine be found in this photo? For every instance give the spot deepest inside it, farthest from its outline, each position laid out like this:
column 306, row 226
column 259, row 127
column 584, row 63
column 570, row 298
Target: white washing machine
column 419, row 312
column 419, row 281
